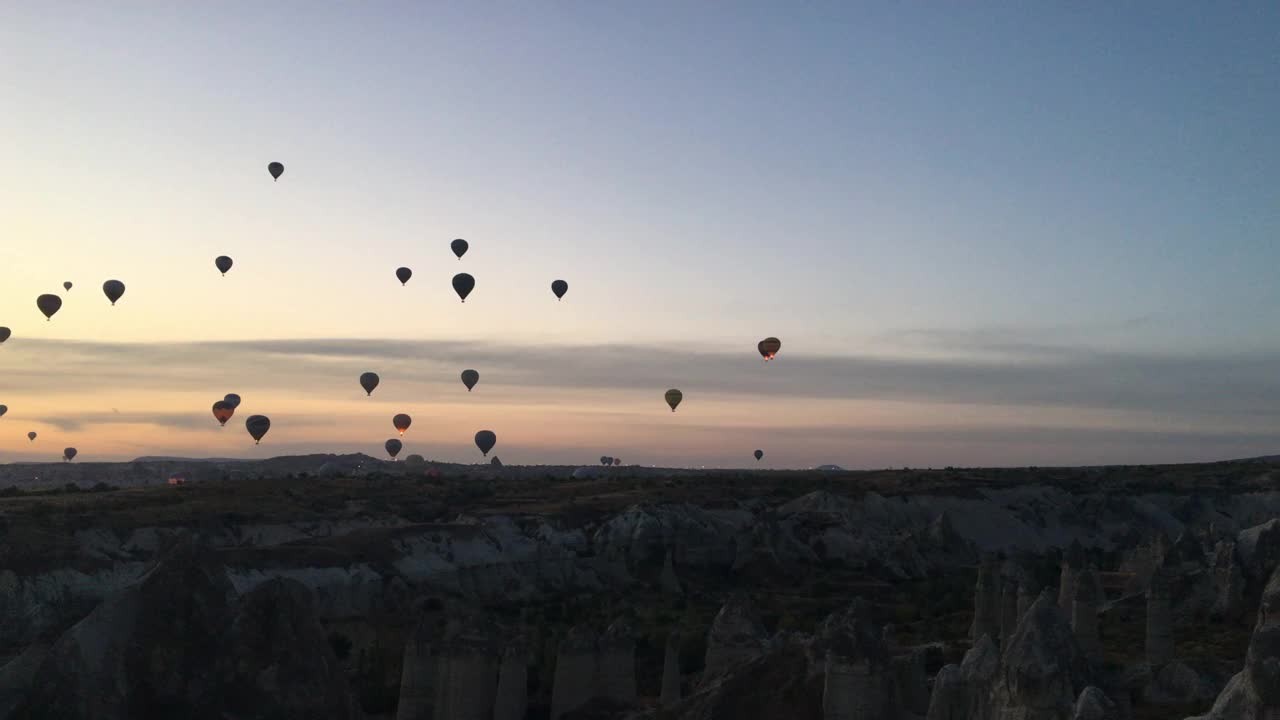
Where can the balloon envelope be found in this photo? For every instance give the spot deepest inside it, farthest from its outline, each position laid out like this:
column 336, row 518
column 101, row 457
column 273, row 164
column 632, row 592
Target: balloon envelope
column 69, row 453
column 617, row 461
column 257, row 425
column 3, row 409
column 369, row 381
column 48, row 305
column 276, row 169
column 769, row 347
column 560, row 287
column 113, row 289
column 232, row 399
column 5, row 333
column 402, row 422
column 222, row 411
column 485, row 440
column 463, row 284
column 759, row 454
column 31, row 436
column 393, row 447
column 66, row 285
column 605, row 460
column 403, row 274
column 470, row 378
column 415, row 462
column 223, row 263
column 673, row 398
column 459, row 247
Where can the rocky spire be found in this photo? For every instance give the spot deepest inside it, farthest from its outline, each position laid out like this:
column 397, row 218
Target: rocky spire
column 736, row 636
column 668, row 580
column 417, row 677
column 465, row 672
column 950, row 697
column 616, row 664
column 858, row 682
column 1159, row 621
column 1072, row 563
column 1228, row 582
column 671, row 672
column 1093, row 704
column 1084, row 614
column 1039, row 668
column 986, row 600
column 1008, row 609
column 575, row 671
column 512, row 699
column 1028, row 591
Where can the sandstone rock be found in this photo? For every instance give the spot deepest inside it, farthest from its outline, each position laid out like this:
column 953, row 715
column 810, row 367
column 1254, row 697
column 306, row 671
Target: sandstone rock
column 512, row 699
column 616, row 664
column 1039, row 668
column 1259, row 549
column 1093, row 704
column 1177, row 684
column 736, row 636
column 575, row 672
column 950, row 697
column 417, row 677
column 1159, row 637
column 670, row 692
column 1254, row 693
column 668, row 580
column 986, row 599
column 1072, row 563
column 1228, row 582
column 1084, row 614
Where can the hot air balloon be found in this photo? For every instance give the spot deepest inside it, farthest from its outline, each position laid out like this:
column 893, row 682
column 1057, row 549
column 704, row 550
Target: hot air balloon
column 5, row 333
column 31, row 436
column 369, row 381
column 113, row 289
column 415, row 463
column 673, row 398
column 769, row 347
column 222, row 411
column 459, row 247
column 402, row 422
column 67, row 286
column 69, row 454
column 276, row 169
column 617, row 461
column 257, row 425
column 605, row 460
column 759, row 454
column 233, row 400
column 559, row 287
column 485, row 440
column 470, row 378
column 48, row 305
column 403, row 274
column 463, row 284
column 3, row 409
column 223, row 263
column 393, row 447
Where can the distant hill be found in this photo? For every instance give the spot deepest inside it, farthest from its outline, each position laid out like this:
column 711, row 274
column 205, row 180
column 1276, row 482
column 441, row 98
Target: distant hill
column 1259, row 459
column 166, row 458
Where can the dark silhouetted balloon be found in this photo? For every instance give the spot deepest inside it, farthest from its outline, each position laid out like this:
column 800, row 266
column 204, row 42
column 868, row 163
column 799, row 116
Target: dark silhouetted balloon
column 393, row 447
column 759, row 454
column 463, row 284
column 222, row 411
column 31, row 436
column 257, row 425
column 485, row 440
column 113, row 289
column 459, row 247
column 403, row 274
column 470, row 378
column 3, row 409
column 5, row 333
column 605, row 460
column 495, row 461
column 69, row 454
column 48, row 305
column 223, row 263
column 769, row 347
column 276, row 169
column 415, row 463
column 402, row 422
column 673, row 398
column 369, row 381
column 559, row 287
column 617, row 461
column 67, row 286
column 233, row 400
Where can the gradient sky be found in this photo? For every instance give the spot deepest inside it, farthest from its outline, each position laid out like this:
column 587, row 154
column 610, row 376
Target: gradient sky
column 985, row 234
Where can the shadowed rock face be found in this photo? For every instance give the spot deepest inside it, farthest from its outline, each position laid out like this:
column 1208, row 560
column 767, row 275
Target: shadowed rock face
column 181, row 644
column 1040, row 667
column 1254, row 693
column 1093, row 704
column 736, row 636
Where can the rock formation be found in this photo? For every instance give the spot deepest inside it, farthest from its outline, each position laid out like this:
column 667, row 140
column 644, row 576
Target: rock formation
column 670, row 692
column 1259, row 549
column 1072, row 563
column 1084, row 614
column 465, row 673
column 180, row 643
column 1254, row 693
column 910, row 681
column 950, row 697
column 512, row 699
column 616, row 664
column 1008, row 608
column 986, row 599
column 417, row 677
column 1093, row 704
column 736, row 636
column 1039, row 667
column 1028, row 591
column 1228, row 582
column 575, row 672
column 1159, row 642
column 858, row 683
column 668, row 580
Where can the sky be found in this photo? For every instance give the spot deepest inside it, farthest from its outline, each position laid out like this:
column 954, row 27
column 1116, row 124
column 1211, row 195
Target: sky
column 986, row 235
